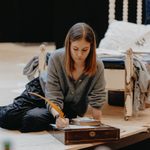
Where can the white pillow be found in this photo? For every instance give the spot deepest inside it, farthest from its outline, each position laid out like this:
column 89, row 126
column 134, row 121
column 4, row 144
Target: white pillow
column 142, row 43
column 121, row 35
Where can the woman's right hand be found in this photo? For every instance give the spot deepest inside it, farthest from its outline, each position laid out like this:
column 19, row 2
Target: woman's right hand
column 62, row 122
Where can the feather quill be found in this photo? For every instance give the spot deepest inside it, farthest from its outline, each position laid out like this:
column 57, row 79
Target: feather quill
column 50, row 103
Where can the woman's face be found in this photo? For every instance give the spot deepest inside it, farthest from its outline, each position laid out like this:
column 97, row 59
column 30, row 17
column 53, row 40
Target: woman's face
column 79, row 50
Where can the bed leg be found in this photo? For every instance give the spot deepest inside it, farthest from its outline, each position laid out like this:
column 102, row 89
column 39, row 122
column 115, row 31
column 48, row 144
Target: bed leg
column 42, row 58
column 128, row 84
column 128, row 106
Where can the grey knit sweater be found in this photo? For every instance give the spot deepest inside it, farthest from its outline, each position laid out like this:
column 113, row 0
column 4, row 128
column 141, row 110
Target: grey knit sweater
column 63, row 90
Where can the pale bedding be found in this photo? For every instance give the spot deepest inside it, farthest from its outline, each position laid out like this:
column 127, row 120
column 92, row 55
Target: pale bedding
column 122, row 35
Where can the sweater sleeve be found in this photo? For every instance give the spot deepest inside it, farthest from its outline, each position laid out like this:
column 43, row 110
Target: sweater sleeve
column 97, row 96
column 52, row 89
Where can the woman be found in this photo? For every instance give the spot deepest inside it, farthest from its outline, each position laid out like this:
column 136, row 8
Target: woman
column 74, row 82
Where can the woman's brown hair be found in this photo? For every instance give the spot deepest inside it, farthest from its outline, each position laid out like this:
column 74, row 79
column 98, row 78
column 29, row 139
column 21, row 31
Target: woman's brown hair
column 77, row 32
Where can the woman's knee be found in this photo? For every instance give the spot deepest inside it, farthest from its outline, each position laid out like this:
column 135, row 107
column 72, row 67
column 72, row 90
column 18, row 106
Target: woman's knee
column 35, row 120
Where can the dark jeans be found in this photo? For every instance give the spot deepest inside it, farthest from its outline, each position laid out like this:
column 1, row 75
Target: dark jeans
column 27, row 112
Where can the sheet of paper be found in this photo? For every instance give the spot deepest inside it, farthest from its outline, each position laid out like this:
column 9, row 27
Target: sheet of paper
column 72, row 127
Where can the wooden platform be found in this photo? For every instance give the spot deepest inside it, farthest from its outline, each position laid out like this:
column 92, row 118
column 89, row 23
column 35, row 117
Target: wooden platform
column 13, row 57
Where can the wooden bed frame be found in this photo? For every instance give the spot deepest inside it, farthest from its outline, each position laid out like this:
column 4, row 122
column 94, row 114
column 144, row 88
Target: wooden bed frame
column 125, row 84
column 126, row 80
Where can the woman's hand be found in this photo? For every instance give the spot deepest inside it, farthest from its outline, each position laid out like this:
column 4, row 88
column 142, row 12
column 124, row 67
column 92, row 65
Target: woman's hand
column 96, row 113
column 62, row 122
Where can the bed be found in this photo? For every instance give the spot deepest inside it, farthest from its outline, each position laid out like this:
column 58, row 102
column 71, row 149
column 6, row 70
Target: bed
column 125, row 51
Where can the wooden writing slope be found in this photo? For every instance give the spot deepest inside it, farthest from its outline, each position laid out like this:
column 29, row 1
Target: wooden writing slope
column 75, row 134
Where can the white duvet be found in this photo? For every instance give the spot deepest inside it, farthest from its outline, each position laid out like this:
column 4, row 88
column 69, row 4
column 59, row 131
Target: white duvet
column 121, row 36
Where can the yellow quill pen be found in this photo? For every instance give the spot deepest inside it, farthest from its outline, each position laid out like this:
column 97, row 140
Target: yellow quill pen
column 61, row 114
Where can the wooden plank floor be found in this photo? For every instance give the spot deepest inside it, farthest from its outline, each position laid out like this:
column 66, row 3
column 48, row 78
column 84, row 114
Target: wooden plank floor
column 13, row 58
